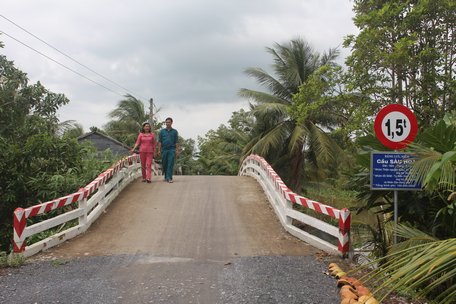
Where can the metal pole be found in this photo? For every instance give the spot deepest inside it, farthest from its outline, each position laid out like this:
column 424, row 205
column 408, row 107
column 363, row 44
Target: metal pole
column 151, row 114
column 395, row 216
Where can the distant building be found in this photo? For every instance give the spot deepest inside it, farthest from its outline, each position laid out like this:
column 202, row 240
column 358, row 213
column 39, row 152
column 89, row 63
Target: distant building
column 102, row 142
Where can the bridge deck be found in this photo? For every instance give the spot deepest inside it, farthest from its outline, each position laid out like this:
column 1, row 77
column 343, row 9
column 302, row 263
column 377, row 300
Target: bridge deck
column 199, row 217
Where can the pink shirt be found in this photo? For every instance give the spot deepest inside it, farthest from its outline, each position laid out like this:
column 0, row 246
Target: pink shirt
column 146, row 142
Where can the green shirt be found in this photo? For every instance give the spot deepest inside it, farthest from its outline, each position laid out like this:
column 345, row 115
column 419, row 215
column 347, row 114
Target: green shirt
column 168, row 139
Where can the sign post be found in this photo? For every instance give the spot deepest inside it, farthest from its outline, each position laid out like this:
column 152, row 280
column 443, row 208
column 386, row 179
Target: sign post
column 395, row 127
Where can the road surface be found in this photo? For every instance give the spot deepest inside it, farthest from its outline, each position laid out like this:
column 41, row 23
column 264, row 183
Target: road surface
column 202, row 239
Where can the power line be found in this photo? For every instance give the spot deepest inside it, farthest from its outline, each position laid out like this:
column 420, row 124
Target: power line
column 62, row 65
column 69, row 57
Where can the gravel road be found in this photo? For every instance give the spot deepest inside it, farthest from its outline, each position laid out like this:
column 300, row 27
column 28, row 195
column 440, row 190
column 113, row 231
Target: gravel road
column 199, row 240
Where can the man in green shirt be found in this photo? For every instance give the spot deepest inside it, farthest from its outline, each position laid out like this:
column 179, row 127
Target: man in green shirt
column 168, row 147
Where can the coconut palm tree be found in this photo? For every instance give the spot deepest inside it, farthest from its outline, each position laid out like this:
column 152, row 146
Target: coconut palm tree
column 436, row 169
column 69, row 129
column 276, row 134
column 422, row 265
column 127, row 120
column 424, row 262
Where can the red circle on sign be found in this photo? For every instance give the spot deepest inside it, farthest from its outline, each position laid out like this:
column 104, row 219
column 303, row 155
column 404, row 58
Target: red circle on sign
column 396, row 145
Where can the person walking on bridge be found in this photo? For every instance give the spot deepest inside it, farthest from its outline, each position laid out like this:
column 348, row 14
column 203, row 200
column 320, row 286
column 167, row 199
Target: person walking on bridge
column 169, row 148
column 146, row 142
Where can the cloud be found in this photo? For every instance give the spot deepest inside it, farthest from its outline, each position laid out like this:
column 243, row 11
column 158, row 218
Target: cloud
column 186, row 54
column 193, row 120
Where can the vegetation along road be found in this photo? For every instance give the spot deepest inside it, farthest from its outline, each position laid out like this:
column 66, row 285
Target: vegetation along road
column 203, row 239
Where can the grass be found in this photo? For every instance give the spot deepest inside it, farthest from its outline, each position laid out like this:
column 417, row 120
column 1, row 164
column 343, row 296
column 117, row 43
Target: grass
column 330, row 195
column 338, row 198
column 59, row 262
column 11, row 260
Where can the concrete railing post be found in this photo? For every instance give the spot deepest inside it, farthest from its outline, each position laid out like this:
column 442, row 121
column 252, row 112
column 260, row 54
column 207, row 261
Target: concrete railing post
column 19, row 224
column 83, row 205
column 344, row 232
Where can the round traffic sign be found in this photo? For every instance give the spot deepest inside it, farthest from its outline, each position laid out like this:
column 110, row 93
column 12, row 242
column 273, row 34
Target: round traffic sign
column 395, row 126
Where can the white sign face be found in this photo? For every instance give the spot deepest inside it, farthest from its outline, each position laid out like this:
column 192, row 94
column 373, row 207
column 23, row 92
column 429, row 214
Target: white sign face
column 396, row 126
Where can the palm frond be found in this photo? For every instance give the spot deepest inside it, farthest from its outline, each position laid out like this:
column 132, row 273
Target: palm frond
column 412, row 237
column 130, row 109
column 261, row 97
column 329, row 56
column 322, row 144
column 426, row 159
column 275, row 133
column 272, row 139
column 68, row 125
column 433, row 169
column 267, row 110
column 272, row 84
column 297, row 139
column 440, row 137
column 300, row 61
column 422, row 266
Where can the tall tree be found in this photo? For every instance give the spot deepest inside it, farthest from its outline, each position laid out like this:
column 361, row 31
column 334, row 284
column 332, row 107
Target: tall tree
column 405, row 53
column 25, row 109
column 221, row 150
column 186, row 163
column 277, row 135
column 69, row 129
column 127, row 120
column 35, row 164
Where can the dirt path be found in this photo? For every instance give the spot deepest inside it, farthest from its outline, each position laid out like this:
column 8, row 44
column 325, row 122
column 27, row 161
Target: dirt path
column 198, row 217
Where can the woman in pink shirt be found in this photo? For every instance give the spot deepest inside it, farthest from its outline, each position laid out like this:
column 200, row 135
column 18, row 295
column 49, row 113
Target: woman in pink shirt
column 146, row 143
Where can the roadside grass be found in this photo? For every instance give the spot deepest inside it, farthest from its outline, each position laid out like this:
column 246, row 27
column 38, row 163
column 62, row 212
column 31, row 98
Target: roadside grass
column 11, row 260
column 339, row 198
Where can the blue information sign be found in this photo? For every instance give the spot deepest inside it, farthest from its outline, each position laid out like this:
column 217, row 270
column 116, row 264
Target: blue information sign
column 389, row 171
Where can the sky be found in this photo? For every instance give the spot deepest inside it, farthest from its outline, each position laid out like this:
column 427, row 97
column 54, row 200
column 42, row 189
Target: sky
column 188, row 55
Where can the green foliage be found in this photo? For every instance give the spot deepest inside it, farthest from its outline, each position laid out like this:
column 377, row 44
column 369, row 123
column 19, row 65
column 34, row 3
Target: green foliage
column 318, row 94
column 44, row 167
column 433, row 209
column 59, row 262
column 127, row 119
column 70, row 129
column 375, row 236
column 436, row 168
column 297, row 145
column 11, row 260
column 3, row 258
column 421, row 265
column 126, row 122
column 332, row 195
column 186, row 159
column 38, row 160
column 404, row 53
column 220, row 151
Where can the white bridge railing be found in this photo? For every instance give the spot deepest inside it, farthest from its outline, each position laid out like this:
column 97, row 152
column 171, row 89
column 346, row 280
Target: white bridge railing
column 89, row 203
column 282, row 199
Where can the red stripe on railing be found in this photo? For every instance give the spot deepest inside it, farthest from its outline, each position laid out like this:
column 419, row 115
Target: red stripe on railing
column 20, row 224
column 343, row 215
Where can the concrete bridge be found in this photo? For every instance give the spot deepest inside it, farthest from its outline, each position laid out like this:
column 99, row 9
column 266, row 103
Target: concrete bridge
column 202, row 239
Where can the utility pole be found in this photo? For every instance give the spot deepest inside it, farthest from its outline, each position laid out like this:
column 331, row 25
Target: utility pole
column 151, row 114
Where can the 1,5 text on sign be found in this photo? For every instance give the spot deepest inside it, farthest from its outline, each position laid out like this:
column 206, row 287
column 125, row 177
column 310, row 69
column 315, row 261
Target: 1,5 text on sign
column 395, row 126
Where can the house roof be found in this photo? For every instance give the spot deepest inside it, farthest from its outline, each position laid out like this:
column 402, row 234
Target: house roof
column 87, row 135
